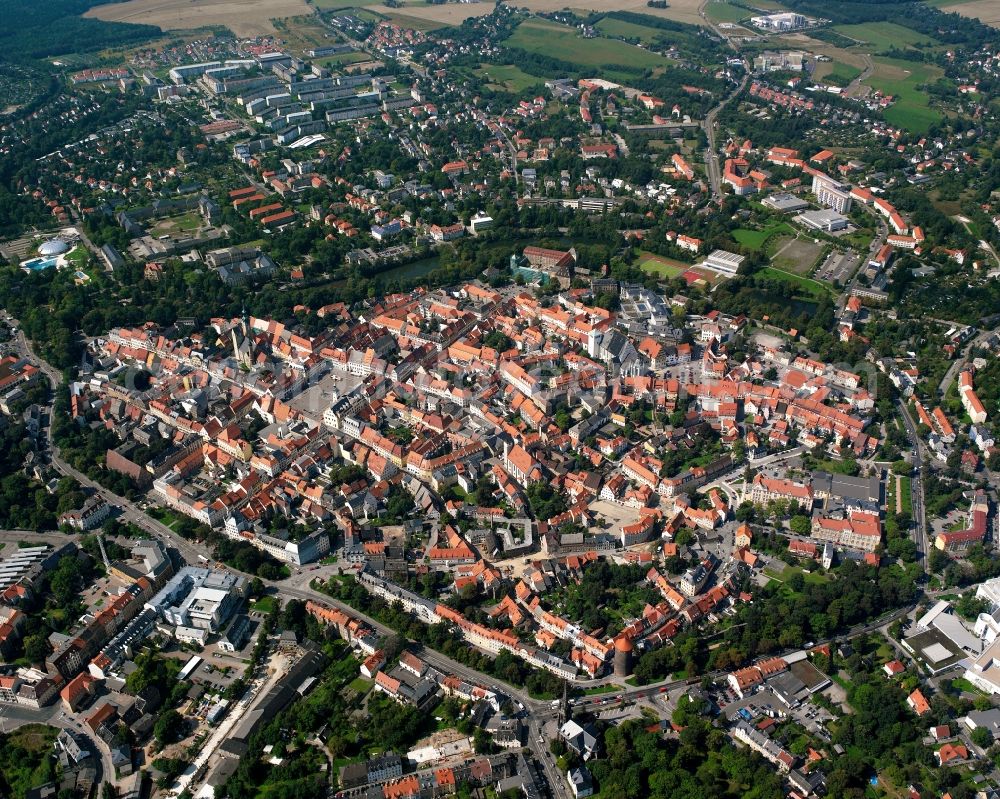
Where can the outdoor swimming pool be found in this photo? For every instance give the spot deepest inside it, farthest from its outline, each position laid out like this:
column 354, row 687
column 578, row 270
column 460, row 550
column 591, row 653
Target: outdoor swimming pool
column 38, row 264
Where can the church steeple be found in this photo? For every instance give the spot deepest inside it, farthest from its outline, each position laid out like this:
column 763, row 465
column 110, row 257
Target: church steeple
column 242, row 341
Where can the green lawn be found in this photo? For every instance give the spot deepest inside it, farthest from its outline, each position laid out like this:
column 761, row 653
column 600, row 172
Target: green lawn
column 756, row 239
column 566, row 44
column 905, row 499
column 265, row 605
column 165, row 517
column 911, row 110
column 660, row 266
column 361, row 685
column 600, row 689
column 810, row 578
column 507, row 77
column 808, row 287
column 78, row 256
column 883, row 35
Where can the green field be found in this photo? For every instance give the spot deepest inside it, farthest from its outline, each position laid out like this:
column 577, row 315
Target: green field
column 565, row 44
column 902, row 79
column 627, row 30
column 756, row 239
column 507, row 77
column 721, row 11
column 660, row 266
column 807, row 286
column 184, row 223
column 883, row 35
column 840, row 74
column 343, row 58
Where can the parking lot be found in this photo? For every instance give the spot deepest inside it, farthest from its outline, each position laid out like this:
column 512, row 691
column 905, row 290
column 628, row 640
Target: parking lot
column 838, row 266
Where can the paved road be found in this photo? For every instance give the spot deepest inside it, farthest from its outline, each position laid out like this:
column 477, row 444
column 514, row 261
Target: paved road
column 958, row 364
column 917, row 489
column 712, row 152
column 854, row 88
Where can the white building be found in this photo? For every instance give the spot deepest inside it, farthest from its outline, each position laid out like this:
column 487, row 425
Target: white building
column 984, row 673
column 201, row 598
column 827, row 220
column 724, row 262
column 832, row 193
column 481, row 221
column 787, row 21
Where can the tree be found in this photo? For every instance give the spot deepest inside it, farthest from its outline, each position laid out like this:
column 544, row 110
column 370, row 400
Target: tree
column 937, row 561
column 482, row 742
column 169, row 727
column 799, row 524
column 981, row 737
column 903, row 548
column 36, row 647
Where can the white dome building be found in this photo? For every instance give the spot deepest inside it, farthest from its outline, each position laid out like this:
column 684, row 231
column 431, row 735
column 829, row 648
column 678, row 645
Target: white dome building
column 53, row 247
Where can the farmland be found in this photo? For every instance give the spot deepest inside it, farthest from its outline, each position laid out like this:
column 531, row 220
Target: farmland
column 428, row 18
column 721, row 11
column 986, row 11
column 881, row 36
column 507, row 77
column 242, row 17
column 902, row 79
column 626, row 30
column 565, row 44
column 678, row 10
column 326, row 5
